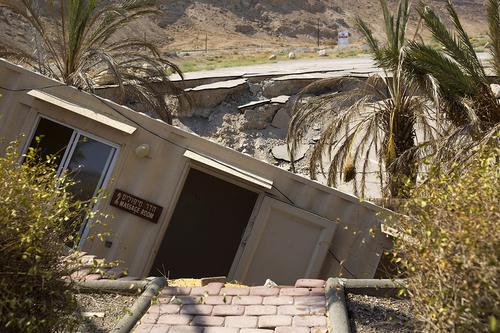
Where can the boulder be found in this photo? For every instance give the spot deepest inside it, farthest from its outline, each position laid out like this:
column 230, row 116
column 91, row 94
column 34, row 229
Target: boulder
column 272, row 57
column 204, row 98
column 259, row 117
column 291, row 55
column 281, row 119
column 275, row 88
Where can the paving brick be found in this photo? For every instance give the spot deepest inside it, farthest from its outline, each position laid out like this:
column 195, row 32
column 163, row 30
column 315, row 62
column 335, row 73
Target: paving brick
column 220, row 279
column 260, row 310
column 216, row 300
column 317, row 309
column 228, row 310
column 163, row 300
column 175, row 291
column 197, row 309
column 293, row 310
column 310, row 283
column 164, row 308
column 291, row 330
column 317, row 292
column 241, row 321
column 160, row 329
column 278, row 300
column 264, row 291
column 150, row 318
column 175, row 319
column 255, row 330
column 319, row 330
column 186, row 300
column 185, row 329
column 247, row 300
column 207, row 321
column 310, row 300
column 274, row 321
column 143, row 328
column 211, row 289
column 221, row 330
column 294, row 292
column 235, row 291
column 309, row 321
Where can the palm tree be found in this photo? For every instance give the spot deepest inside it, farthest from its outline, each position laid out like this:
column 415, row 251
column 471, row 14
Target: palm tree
column 457, row 82
column 377, row 118
column 82, row 49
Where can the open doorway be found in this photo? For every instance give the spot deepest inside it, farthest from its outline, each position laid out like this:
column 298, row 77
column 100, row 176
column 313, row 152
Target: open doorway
column 206, row 228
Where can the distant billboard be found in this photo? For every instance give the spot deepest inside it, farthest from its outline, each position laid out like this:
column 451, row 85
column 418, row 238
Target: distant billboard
column 343, row 38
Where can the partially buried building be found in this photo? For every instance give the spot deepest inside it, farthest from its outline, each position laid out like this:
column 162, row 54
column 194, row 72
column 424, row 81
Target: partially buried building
column 181, row 205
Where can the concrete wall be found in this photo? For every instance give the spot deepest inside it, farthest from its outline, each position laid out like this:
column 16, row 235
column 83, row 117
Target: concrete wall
column 354, row 237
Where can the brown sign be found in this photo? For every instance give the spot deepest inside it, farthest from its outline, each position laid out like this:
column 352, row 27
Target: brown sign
column 137, row 206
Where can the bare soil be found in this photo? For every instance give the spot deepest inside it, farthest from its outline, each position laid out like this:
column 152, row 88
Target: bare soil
column 370, row 314
column 101, row 311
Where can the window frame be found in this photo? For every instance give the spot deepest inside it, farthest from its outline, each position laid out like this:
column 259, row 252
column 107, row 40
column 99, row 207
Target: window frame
column 66, row 157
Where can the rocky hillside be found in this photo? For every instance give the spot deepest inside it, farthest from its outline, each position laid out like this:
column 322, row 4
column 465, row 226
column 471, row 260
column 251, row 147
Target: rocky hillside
column 185, row 24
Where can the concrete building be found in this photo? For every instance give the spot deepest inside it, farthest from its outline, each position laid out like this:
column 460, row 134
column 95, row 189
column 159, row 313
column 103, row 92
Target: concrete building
column 184, row 206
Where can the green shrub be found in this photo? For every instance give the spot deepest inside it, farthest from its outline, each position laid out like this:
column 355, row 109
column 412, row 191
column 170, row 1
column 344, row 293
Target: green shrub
column 449, row 247
column 35, row 212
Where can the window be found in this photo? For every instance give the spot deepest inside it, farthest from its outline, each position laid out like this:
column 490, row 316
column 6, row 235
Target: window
column 87, row 159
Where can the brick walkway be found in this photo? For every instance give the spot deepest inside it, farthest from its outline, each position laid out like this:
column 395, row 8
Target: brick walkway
column 216, row 309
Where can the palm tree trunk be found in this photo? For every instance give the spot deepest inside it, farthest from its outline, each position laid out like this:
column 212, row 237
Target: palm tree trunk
column 403, row 171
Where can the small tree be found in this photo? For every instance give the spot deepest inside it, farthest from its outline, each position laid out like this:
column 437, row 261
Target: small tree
column 367, row 119
column 456, row 80
column 81, row 48
column 35, row 210
column 449, row 246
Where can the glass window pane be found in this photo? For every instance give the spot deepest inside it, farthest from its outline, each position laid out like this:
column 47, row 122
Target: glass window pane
column 87, row 166
column 54, row 139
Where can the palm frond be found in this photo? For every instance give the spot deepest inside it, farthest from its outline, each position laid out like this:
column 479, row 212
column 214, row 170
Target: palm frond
column 458, row 49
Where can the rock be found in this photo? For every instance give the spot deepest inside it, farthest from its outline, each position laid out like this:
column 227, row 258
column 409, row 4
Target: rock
column 253, row 104
column 322, row 53
column 260, row 117
column 282, row 99
column 496, row 89
column 275, row 88
column 272, row 57
column 204, row 98
column 291, row 55
column 281, row 119
column 281, row 153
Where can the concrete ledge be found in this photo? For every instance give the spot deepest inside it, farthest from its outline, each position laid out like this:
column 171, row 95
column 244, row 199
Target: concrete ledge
column 338, row 320
column 149, row 290
column 140, row 307
column 374, row 287
column 127, row 287
column 336, row 289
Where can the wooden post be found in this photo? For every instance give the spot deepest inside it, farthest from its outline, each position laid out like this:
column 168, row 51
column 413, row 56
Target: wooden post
column 318, row 33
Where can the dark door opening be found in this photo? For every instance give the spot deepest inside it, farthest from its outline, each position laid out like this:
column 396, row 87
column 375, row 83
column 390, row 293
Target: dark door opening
column 206, row 228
